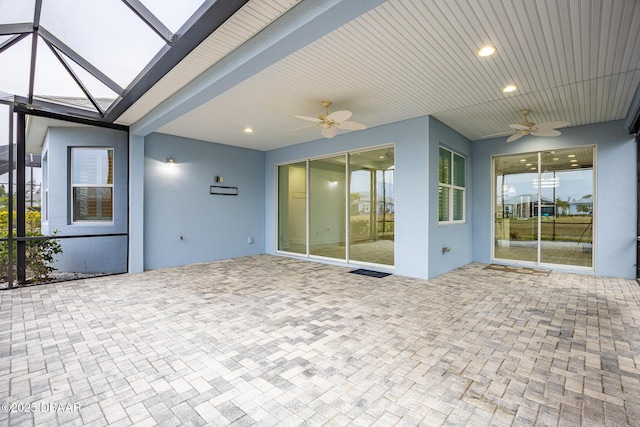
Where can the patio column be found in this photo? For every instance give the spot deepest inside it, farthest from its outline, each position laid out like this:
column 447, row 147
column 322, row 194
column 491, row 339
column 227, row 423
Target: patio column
column 136, row 203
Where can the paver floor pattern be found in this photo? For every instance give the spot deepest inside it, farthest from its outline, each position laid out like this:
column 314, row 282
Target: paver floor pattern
column 268, row 340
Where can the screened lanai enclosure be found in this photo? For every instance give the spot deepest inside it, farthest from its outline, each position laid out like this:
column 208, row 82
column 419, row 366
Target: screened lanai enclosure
column 70, row 68
column 67, row 191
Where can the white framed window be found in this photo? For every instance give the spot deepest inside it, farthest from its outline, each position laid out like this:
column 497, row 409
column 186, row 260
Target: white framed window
column 91, row 184
column 451, row 186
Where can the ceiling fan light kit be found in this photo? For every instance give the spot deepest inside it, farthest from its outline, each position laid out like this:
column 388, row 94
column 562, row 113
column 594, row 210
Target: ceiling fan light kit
column 547, row 129
column 330, row 123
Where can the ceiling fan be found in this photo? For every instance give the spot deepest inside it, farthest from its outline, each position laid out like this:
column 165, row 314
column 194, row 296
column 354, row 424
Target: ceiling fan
column 330, row 123
column 530, row 128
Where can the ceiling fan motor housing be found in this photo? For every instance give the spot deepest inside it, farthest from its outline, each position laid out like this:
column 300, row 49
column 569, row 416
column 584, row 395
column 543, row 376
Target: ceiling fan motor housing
column 526, row 121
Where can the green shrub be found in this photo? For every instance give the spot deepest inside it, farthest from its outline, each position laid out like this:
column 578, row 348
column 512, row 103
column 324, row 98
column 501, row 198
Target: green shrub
column 39, row 257
column 359, row 228
column 32, row 221
column 4, row 222
column 39, row 254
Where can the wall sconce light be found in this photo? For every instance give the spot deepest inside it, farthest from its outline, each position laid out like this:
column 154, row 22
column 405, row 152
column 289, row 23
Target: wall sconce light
column 333, row 183
column 171, row 162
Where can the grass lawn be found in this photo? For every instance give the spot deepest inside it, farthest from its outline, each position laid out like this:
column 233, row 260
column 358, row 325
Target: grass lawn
column 565, row 228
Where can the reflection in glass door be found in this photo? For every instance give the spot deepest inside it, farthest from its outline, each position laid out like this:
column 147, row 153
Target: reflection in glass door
column 544, row 207
column 292, row 208
column 372, row 206
column 516, row 225
column 566, row 218
column 327, row 205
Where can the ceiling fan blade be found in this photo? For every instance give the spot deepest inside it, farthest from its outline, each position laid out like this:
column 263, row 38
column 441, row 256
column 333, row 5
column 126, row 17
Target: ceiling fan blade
column 329, row 132
column 495, row 135
column 546, row 132
column 519, row 127
column 303, row 127
column 351, row 126
column 339, row 116
column 309, row 119
column 515, row 136
column 551, row 125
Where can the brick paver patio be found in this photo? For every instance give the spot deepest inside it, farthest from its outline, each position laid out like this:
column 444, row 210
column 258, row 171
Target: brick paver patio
column 268, row 340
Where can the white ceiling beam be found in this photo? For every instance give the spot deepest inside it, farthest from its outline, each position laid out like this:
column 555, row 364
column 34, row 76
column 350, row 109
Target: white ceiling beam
column 303, row 24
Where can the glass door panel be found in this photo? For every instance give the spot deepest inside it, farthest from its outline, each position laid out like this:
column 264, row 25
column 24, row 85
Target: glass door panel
column 372, row 206
column 516, row 200
column 327, row 207
column 292, row 208
column 566, row 183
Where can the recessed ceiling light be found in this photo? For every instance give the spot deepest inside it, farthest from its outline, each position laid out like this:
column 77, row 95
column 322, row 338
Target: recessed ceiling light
column 248, row 130
column 528, row 164
column 523, row 160
column 509, row 88
column 487, row 51
column 574, row 161
column 571, row 155
column 556, row 158
column 533, row 169
column 574, row 165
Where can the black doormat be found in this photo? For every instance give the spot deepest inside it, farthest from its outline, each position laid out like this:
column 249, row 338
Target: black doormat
column 370, row 273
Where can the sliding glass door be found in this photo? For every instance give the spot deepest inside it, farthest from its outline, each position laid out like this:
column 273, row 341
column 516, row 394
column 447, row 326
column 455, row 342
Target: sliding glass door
column 327, row 220
column 372, row 211
column 348, row 212
column 292, row 208
column 516, row 226
column 544, row 207
column 566, row 221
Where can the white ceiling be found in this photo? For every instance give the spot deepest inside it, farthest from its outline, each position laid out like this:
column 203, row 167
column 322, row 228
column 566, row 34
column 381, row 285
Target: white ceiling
column 572, row 60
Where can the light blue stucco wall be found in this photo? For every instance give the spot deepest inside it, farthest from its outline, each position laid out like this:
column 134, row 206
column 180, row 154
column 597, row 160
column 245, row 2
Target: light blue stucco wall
column 177, row 202
column 410, row 138
column 615, row 220
column 103, row 254
column 457, row 237
column 136, row 204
